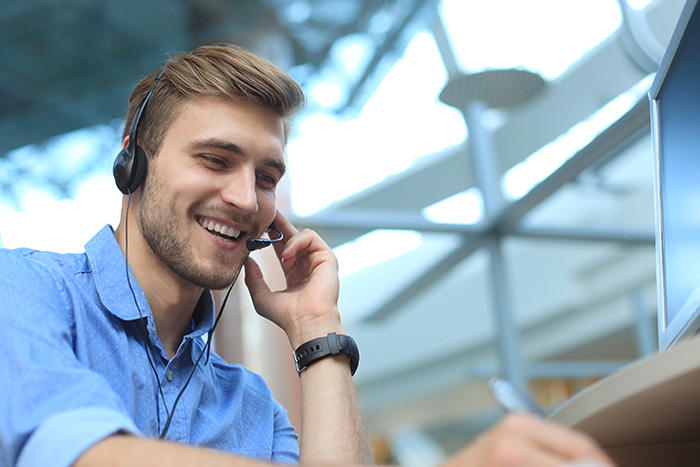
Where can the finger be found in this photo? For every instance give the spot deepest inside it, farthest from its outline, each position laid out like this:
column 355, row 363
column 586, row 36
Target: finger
column 255, row 280
column 565, row 443
column 287, row 229
column 284, row 225
column 295, row 241
column 574, row 445
column 305, row 253
column 306, row 240
column 520, row 453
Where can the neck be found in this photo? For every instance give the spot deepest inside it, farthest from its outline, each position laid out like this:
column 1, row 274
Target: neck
column 172, row 299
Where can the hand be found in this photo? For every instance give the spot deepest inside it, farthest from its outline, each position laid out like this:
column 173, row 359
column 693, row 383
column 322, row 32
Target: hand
column 523, row 440
column 308, row 307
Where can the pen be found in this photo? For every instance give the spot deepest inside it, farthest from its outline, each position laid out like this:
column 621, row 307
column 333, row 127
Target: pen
column 513, row 399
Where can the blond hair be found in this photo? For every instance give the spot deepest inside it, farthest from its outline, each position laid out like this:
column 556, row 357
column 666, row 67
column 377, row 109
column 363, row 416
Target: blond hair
column 214, row 71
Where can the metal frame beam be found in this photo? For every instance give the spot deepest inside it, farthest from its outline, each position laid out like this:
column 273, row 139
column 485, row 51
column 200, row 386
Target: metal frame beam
column 424, row 281
column 611, row 142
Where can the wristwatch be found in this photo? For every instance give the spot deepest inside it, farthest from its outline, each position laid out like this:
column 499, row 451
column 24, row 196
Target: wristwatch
column 322, row 347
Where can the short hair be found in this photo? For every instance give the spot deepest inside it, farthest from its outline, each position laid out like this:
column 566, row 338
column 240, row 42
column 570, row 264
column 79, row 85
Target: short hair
column 225, row 71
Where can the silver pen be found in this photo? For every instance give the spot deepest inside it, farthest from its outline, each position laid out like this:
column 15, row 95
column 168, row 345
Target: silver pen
column 513, row 399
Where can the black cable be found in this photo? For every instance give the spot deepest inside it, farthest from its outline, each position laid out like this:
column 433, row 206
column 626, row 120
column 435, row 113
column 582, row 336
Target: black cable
column 147, row 341
column 221, row 311
column 142, row 325
column 206, row 348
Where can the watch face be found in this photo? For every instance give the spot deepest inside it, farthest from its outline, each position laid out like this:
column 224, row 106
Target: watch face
column 353, row 354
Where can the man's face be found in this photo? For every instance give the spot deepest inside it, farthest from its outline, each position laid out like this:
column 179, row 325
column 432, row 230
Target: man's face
column 212, row 186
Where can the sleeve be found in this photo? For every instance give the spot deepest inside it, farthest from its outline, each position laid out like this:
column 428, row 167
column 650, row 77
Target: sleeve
column 285, row 449
column 52, row 407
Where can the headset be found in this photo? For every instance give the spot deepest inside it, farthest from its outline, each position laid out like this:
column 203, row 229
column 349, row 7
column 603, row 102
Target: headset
column 253, row 244
column 130, row 165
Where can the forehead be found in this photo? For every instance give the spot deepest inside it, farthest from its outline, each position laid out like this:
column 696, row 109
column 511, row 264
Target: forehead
column 254, row 128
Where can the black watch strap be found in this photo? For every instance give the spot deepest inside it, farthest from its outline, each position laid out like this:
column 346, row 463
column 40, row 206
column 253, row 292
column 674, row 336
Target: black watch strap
column 322, row 347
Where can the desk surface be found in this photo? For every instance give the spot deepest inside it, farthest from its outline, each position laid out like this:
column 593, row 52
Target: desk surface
column 654, row 400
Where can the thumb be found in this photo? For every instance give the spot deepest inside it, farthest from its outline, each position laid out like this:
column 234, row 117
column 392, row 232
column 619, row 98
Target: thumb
column 254, row 280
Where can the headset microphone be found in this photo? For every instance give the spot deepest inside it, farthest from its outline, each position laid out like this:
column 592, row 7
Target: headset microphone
column 253, row 244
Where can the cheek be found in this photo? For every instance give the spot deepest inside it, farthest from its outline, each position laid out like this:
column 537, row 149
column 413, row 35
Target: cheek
column 268, row 200
column 193, row 187
column 267, row 204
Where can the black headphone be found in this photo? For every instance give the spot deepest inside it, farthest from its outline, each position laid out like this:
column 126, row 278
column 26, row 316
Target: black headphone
column 130, row 165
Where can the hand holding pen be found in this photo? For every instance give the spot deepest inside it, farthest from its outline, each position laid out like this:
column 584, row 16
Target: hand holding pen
column 516, row 401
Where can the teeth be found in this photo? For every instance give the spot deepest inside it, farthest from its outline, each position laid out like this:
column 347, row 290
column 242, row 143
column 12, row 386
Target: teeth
column 222, row 229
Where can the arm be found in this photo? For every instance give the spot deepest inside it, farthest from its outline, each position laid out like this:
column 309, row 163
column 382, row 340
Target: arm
column 332, row 427
column 52, row 407
column 124, row 450
column 518, row 441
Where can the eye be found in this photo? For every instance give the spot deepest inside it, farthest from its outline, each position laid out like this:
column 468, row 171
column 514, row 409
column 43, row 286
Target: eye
column 214, row 161
column 267, row 180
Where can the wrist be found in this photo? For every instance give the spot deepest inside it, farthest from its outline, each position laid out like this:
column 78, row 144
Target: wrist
column 312, row 328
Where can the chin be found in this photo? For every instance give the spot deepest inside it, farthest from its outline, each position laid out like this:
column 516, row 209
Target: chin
column 209, row 281
column 216, row 278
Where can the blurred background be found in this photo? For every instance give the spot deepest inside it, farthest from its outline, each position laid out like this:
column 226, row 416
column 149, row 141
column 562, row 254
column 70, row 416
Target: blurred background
column 482, row 169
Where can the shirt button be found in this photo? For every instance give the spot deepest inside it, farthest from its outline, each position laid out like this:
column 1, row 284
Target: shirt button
column 170, row 375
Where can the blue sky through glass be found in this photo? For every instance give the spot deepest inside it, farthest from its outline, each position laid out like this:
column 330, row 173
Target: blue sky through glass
column 486, row 35
column 64, row 191
column 331, row 159
column 381, row 141
column 544, row 36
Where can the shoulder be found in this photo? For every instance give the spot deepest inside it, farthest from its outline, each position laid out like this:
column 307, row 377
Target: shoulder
column 31, row 276
column 37, row 262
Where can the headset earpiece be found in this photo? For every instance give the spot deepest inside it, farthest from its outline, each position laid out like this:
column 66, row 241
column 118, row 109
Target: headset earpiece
column 130, row 165
column 129, row 171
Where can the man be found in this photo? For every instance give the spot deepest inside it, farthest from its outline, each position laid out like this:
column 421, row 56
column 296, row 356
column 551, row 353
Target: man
column 103, row 351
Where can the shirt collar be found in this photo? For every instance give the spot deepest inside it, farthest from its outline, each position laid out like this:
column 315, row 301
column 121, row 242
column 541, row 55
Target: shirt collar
column 109, row 270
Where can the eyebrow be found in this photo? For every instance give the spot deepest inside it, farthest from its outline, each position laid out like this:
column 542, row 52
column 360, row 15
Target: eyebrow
column 216, row 143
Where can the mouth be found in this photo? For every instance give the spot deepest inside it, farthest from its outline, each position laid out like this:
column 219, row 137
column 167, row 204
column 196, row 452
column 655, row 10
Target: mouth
column 218, row 229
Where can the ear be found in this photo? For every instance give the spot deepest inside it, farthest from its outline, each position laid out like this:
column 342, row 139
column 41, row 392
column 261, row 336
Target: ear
column 125, row 142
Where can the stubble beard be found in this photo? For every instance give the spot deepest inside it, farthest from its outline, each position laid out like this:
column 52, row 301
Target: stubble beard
column 160, row 226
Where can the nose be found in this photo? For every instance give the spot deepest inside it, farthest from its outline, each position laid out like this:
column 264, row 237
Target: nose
column 240, row 191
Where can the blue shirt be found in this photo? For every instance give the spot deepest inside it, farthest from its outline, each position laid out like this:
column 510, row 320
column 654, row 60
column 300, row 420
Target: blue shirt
column 74, row 369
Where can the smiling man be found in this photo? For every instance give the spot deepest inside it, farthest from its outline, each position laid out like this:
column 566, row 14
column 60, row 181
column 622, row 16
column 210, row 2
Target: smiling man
column 104, row 357
column 210, row 187
column 105, row 350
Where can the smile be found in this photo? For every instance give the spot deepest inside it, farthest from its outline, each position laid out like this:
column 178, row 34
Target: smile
column 223, row 231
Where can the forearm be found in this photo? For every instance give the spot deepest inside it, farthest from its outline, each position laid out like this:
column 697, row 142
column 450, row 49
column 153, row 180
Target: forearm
column 132, row 451
column 333, row 430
